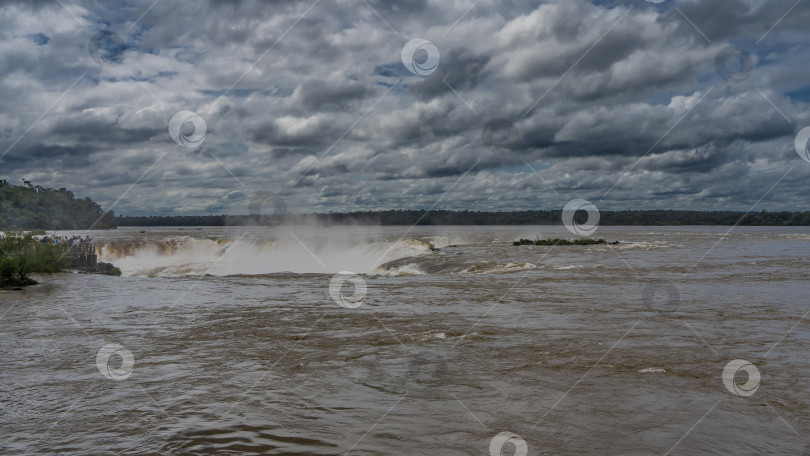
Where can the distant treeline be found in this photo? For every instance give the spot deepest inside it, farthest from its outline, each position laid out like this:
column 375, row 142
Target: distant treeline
column 29, row 207
column 442, row 217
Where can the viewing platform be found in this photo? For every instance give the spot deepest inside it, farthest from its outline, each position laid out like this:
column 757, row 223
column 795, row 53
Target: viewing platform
column 83, row 255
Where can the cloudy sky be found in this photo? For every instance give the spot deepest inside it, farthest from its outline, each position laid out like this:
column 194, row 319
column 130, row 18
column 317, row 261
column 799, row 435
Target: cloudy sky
column 497, row 105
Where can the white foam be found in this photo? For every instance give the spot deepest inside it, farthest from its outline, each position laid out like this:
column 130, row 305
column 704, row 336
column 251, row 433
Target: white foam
column 408, row 269
column 644, row 245
column 183, row 255
column 570, row 266
column 497, row 268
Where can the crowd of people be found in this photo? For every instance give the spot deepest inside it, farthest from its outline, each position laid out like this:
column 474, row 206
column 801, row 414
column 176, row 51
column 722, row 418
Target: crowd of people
column 69, row 240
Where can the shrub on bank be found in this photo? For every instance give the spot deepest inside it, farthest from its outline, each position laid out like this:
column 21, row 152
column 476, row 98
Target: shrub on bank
column 21, row 255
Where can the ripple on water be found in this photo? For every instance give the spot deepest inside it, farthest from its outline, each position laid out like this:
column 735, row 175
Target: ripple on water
column 243, row 439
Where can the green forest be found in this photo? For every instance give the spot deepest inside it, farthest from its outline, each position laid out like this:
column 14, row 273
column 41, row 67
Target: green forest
column 444, row 217
column 29, row 207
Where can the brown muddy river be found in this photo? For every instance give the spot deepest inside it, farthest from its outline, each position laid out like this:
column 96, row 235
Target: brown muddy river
column 678, row 340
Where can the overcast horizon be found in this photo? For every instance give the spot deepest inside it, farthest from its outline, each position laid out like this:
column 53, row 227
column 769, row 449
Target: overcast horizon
column 169, row 108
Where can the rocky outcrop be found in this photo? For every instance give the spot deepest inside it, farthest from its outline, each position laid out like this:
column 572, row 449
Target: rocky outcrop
column 101, row 268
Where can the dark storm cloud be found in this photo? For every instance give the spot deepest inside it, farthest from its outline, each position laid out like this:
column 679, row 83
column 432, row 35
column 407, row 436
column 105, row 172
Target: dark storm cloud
column 102, row 131
column 406, row 8
column 304, row 134
column 48, row 153
column 314, row 102
column 746, row 20
column 318, row 96
column 40, row 157
column 35, row 4
column 460, row 69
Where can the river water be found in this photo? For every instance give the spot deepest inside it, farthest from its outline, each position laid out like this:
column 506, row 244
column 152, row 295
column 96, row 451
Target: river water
column 231, row 341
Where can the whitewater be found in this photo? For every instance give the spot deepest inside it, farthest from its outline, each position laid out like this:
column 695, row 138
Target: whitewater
column 175, row 252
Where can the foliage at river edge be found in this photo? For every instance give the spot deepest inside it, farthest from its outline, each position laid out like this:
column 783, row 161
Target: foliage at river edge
column 22, row 255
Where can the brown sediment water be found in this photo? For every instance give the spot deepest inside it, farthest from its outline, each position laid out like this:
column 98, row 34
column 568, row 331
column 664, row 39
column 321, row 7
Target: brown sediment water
column 228, row 341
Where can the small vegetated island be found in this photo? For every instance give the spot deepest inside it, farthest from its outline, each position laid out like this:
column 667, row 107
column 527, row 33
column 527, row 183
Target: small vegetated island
column 25, row 212
column 557, row 241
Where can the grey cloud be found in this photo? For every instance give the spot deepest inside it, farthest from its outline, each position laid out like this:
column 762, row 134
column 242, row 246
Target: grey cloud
column 459, row 69
column 101, row 130
column 733, row 19
column 319, row 96
column 278, row 88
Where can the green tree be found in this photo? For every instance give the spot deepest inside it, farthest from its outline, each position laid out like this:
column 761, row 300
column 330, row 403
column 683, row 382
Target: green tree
column 31, row 206
column 21, row 255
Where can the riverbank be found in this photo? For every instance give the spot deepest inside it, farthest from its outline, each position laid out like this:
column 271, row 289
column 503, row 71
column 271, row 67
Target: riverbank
column 23, row 254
